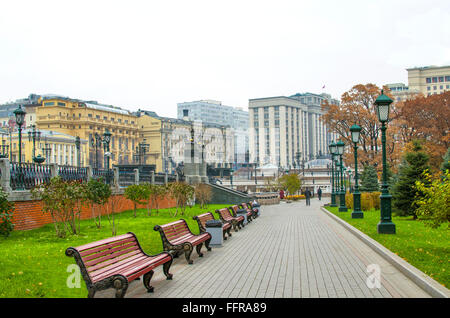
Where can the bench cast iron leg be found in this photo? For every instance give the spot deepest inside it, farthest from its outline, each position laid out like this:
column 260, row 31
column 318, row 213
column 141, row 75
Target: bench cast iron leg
column 198, row 249
column 147, row 278
column 91, row 293
column 121, row 286
column 187, row 253
column 207, row 244
column 166, row 267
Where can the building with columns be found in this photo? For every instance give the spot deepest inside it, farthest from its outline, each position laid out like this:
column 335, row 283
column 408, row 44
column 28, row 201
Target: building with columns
column 286, row 131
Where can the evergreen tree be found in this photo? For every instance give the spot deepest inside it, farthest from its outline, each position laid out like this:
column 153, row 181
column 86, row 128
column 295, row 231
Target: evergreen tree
column 411, row 170
column 369, row 179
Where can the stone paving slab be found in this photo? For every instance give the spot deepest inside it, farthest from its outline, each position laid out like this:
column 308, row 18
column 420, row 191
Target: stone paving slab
column 290, row 251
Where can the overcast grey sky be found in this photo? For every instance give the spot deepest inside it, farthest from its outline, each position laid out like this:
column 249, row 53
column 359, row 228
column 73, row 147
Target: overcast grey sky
column 154, row 54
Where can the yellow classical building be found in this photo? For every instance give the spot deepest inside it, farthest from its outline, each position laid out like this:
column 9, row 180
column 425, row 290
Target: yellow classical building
column 88, row 119
column 55, row 147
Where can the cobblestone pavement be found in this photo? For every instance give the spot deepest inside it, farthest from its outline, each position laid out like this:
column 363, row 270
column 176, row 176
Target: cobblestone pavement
column 291, row 250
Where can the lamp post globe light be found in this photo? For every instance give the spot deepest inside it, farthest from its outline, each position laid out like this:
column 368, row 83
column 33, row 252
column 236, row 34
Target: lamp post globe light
column 385, row 226
column 19, row 113
column 357, row 213
column 340, row 151
column 332, row 149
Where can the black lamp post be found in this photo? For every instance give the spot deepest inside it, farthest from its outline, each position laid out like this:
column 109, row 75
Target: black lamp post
column 96, row 142
column 20, row 120
column 385, row 226
column 340, row 151
column 77, row 145
column 357, row 213
column 332, row 148
column 106, row 141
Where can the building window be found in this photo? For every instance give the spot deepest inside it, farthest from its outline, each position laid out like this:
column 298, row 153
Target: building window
column 447, row 78
column 434, row 87
column 49, row 104
column 61, row 104
column 441, row 79
column 428, row 88
column 90, row 115
column 428, row 80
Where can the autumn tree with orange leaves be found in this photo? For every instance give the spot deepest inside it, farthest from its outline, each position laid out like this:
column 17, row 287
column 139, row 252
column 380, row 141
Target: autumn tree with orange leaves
column 423, row 118
column 358, row 107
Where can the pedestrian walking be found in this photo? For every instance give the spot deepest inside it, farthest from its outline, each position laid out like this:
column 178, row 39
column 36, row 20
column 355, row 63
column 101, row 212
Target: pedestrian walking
column 308, row 196
column 281, row 194
column 319, row 193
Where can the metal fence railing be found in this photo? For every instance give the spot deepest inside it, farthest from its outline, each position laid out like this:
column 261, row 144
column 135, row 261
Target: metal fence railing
column 70, row 173
column 25, row 176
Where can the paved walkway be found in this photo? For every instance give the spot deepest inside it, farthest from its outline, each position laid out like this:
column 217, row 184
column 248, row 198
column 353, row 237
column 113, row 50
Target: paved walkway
column 291, row 250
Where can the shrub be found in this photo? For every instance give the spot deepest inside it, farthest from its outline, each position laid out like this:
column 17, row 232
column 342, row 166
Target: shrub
column 203, row 194
column 349, row 200
column 6, row 212
column 366, row 201
column 376, row 200
column 63, row 200
column 434, row 201
column 137, row 193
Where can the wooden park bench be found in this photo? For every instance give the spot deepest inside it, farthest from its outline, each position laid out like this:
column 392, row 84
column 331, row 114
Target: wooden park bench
column 250, row 209
column 203, row 218
column 115, row 262
column 235, row 208
column 226, row 216
column 177, row 237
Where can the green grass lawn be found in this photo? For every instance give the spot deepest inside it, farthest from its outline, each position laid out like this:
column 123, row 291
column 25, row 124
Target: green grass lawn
column 33, row 263
column 425, row 248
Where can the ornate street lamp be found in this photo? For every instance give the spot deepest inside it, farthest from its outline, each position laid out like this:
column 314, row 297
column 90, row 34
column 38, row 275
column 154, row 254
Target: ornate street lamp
column 77, row 145
column 340, row 151
column 106, row 141
column 385, row 226
column 332, row 149
column 34, row 135
column 96, row 143
column 357, row 213
column 20, row 120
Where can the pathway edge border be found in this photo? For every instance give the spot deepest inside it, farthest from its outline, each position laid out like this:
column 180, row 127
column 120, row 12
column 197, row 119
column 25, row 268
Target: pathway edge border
column 421, row 279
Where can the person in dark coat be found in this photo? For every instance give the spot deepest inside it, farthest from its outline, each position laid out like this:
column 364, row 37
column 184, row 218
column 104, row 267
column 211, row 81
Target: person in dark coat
column 319, row 193
column 281, row 194
column 308, row 196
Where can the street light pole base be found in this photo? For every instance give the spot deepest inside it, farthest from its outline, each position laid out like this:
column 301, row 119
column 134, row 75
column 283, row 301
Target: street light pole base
column 386, row 228
column 343, row 209
column 357, row 215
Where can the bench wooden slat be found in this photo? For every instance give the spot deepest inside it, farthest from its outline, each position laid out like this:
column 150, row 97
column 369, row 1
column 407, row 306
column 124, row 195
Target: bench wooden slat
column 107, row 254
column 102, row 242
column 93, row 250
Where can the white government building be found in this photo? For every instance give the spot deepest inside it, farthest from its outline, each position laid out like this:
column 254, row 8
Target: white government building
column 286, row 131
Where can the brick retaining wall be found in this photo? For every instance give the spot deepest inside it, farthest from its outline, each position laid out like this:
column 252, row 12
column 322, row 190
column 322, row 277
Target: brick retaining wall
column 29, row 215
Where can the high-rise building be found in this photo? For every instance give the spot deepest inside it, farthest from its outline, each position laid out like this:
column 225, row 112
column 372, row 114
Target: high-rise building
column 213, row 112
column 285, row 131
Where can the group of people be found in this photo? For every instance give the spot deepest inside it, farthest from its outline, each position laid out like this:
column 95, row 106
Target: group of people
column 308, row 194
